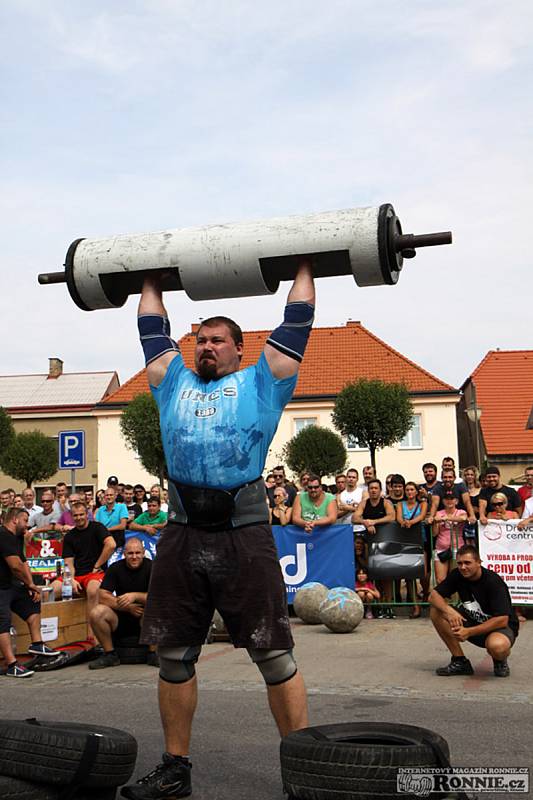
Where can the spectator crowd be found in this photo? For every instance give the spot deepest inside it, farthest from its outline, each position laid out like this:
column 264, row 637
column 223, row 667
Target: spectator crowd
column 116, row 522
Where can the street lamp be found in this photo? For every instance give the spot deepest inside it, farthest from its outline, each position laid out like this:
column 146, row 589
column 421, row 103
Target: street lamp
column 473, row 413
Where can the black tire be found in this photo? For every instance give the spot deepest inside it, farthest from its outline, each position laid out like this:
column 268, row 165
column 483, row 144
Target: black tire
column 132, row 655
column 355, row 761
column 50, row 753
column 15, row 789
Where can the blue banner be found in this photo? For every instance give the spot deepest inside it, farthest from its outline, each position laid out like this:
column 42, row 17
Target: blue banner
column 326, row 555
column 150, row 545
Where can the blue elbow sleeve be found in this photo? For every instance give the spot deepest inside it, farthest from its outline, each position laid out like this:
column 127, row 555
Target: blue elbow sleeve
column 292, row 335
column 154, row 332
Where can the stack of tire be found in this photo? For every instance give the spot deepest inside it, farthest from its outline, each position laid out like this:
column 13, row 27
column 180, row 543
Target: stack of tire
column 63, row 760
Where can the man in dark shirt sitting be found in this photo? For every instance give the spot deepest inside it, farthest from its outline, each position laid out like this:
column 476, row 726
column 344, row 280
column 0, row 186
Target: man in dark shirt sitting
column 485, row 616
column 122, row 597
column 86, row 549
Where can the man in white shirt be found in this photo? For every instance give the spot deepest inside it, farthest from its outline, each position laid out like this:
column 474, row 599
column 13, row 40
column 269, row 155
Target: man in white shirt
column 349, row 499
column 527, row 515
column 28, row 498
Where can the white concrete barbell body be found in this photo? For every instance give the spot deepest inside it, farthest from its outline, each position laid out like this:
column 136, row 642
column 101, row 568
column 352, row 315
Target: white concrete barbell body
column 239, row 259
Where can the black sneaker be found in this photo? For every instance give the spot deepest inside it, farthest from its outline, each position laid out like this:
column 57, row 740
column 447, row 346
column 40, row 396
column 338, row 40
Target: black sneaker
column 389, row 613
column 40, row 649
column 171, row 779
column 501, row 668
column 380, row 613
column 456, row 667
column 107, row 660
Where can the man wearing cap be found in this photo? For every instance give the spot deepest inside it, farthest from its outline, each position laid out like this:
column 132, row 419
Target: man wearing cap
column 494, row 484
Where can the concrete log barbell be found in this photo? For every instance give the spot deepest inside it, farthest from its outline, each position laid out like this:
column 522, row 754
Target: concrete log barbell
column 241, row 259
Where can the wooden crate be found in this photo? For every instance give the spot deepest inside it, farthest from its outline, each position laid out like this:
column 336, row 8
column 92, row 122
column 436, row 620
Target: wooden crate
column 71, row 623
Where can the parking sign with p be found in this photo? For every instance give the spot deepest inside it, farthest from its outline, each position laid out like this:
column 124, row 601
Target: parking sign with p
column 71, row 449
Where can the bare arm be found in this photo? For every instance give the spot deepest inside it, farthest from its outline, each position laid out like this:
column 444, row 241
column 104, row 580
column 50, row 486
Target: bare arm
column 467, row 502
column 303, row 290
column 435, row 500
column 482, row 511
column 297, row 518
column 107, row 549
column 151, row 302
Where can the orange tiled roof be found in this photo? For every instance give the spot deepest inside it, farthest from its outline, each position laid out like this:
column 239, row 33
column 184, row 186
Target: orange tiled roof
column 504, row 390
column 322, row 372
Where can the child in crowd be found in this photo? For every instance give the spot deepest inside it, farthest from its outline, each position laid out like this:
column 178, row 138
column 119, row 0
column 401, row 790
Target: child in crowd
column 367, row 591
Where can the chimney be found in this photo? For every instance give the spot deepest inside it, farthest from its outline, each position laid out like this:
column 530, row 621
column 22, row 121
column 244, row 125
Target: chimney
column 55, row 368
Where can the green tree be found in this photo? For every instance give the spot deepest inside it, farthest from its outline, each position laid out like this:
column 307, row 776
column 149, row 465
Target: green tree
column 374, row 412
column 139, row 424
column 30, row 456
column 7, row 431
column 319, row 450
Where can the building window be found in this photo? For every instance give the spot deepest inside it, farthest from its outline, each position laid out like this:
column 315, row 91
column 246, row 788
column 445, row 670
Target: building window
column 303, row 422
column 352, row 443
column 413, row 440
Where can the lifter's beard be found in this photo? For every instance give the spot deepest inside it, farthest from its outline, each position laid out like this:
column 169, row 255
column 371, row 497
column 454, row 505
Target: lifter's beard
column 207, row 369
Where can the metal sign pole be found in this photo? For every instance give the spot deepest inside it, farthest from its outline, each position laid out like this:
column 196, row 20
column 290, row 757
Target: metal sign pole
column 73, row 480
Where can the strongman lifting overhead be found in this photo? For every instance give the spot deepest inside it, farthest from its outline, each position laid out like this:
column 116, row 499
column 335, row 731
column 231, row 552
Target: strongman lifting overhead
column 217, row 551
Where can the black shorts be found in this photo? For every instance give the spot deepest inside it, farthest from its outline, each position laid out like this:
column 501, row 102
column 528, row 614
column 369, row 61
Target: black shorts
column 235, row 571
column 480, row 640
column 16, row 599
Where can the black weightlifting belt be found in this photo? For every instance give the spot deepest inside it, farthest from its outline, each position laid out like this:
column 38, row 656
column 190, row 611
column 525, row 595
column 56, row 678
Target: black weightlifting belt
column 217, row 509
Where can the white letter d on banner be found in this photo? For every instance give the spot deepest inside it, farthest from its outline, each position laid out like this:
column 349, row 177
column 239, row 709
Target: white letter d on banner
column 300, row 561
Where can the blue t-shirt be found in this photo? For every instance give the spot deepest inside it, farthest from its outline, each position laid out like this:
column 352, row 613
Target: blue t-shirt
column 113, row 517
column 217, row 433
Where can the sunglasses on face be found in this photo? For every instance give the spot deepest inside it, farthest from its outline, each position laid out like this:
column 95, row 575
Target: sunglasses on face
column 312, row 487
column 498, row 504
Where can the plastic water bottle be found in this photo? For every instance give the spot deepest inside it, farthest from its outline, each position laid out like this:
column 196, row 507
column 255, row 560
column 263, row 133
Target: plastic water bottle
column 13, row 639
column 66, row 589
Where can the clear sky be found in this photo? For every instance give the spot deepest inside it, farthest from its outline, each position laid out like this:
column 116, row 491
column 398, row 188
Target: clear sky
column 123, row 117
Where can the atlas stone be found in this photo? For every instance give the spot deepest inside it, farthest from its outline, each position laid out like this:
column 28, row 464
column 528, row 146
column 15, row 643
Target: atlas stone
column 341, row 610
column 307, row 602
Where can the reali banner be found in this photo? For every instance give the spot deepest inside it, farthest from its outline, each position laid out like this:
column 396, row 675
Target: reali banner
column 509, row 552
column 326, row 555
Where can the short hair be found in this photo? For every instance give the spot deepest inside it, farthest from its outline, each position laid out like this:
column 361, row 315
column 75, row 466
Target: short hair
column 313, row 477
column 154, row 499
column 352, row 469
column 469, row 549
column 128, row 486
column 397, row 478
column 138, row 486
column 492, row 470
column 375, row 480
column 280, row 466
column 449, row 458
column 134, row 539
column 61, row 483
column 231, row 325
column 429, row 464
column 448, row 469
column 78, row 504
column 500, row 496
column 5, row 491
column 13, row 512
column 340, row 475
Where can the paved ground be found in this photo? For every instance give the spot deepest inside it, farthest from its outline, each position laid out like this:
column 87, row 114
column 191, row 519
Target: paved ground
column 384, row 671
